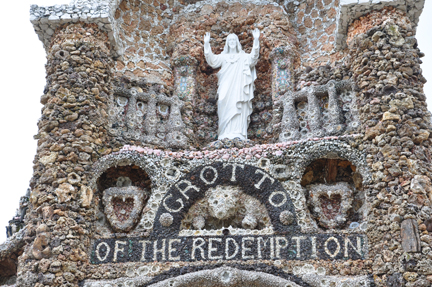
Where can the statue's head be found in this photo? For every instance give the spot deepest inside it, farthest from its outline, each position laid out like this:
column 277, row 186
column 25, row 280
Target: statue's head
column 232, row 44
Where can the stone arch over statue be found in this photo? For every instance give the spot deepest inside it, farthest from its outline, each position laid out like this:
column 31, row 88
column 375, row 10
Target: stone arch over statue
column 253, row 181
column 196, row 82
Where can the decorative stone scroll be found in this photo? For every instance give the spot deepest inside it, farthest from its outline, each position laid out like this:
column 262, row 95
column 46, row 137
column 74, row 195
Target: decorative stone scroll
column 150, row 117
column 318, row 111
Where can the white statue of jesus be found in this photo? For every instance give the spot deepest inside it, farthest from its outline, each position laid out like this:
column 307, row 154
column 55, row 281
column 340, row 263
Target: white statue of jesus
column 235, row 85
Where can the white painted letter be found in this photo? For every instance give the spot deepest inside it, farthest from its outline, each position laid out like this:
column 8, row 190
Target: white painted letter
column 358, row 249
column 337, row 247
column 214, row 178
column 171, row 249
column 144, row 244
column 117, row 249
column 189, row 186
column 211, row 249
column 279, row 246
column 283, row 201
column 199, row 246
column 298, row 240
column 260, row 239
column 156, row 250
column 314, row 247
column 227, row 256
column 265, row 175
column 173, row 210
column 108, row 249
column 246, row 249
column 234, row 166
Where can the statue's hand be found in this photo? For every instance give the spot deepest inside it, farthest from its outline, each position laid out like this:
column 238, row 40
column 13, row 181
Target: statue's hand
column 256, row 33
column 207, row 38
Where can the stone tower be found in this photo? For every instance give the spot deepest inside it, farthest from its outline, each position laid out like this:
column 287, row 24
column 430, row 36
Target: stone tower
column 131, row 186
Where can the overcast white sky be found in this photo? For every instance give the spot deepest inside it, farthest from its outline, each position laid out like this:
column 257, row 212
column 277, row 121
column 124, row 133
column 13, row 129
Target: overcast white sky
column 23, row 81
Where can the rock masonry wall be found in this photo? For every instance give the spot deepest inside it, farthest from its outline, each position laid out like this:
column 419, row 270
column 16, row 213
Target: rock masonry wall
column 334, row 189
column 70, row 139
column 386, row 67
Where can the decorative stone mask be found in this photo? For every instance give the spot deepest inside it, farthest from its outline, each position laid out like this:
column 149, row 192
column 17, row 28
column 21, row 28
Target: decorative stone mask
column 123, row 206
column 330, row 203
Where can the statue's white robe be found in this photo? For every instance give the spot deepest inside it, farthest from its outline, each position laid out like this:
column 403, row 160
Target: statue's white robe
column 235, row 90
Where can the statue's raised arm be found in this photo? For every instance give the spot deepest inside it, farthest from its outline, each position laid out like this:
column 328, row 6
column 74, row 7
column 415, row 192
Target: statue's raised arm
column 207, row 42
column 236, row 84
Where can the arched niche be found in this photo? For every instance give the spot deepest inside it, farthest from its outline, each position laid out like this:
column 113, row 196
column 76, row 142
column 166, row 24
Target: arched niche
column 301, row 158
column 197, row 83
column 337, row 150
column 334, row 193
column 123, row 188
column 254, row 182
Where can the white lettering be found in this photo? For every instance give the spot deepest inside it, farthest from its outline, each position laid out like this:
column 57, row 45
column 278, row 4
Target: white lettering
column 283, row 201
column 108, row 249
column 279, row 246
column 265, row 175
column 171, row 249
column 314, row 247
column 227, row 241
column 144, row 244
column 195, row 247
column 272, row 253
column 211, row 249
column 214, row 178
column 298, row 240
column 332, row 255
column 358, row 249
column 234, row 166
column 246, row 249
column 260, row 239
column 117, row 249
column 156, row 250
column 189, row 186
column 172, row 210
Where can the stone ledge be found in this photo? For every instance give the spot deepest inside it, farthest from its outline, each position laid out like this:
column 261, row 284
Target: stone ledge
column 46, row 20
column 353, row 9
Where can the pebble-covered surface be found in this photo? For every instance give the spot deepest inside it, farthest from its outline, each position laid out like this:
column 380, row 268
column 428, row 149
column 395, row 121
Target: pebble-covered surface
column 396, row 123
column 346, row 204
column 351, row 10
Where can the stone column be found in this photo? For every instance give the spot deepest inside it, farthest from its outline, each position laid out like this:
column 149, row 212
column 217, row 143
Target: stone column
column 185, row 69
column 71, row 136
column 396, row 123
column 282, row 80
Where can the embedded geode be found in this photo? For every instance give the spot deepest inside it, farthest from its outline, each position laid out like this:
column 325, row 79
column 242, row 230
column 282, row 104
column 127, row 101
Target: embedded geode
column 330, row 203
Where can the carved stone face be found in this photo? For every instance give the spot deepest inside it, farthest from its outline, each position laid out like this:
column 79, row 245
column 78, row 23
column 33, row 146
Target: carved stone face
column 123, row 206
column 222, row 202
column 330, row 203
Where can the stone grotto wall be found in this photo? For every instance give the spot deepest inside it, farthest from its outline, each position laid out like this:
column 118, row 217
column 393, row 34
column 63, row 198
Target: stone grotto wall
column 132, row 188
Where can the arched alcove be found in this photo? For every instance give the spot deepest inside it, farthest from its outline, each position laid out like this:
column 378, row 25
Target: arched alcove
column 334, row 193
column 124, row 192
